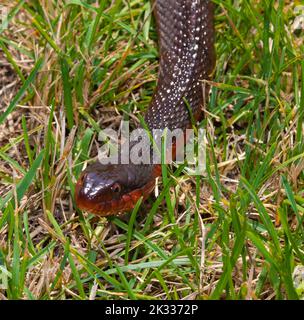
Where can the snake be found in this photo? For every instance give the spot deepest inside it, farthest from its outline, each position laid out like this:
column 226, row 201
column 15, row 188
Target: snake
column 186, row 38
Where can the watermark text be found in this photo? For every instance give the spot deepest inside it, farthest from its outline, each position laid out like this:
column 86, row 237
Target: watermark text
column 157, row 146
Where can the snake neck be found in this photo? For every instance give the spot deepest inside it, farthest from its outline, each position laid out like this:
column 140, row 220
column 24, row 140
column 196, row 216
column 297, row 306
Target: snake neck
column 187, row 57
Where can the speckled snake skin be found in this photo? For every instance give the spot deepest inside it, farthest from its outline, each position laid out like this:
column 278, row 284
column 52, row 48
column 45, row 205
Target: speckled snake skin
column 186, row 42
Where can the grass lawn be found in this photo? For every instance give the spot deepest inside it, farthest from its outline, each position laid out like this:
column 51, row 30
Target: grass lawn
column 71, row 68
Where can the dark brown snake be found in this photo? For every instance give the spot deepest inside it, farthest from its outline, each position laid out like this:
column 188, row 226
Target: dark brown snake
column 186, row 42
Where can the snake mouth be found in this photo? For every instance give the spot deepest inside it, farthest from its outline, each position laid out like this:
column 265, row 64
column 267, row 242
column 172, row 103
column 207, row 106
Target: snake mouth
column 105, row 208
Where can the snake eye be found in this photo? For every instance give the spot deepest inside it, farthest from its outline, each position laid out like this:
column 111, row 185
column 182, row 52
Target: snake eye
column 116, row 188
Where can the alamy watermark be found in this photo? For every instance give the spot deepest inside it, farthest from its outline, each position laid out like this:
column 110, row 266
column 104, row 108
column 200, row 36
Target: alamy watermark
column 298, row 23
column 3, row 17
column 157, row 146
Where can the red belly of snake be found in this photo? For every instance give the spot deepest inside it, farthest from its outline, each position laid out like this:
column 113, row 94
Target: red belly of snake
column 187, row 56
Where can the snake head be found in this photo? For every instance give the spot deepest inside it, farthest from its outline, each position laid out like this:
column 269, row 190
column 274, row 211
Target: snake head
column 109, row 189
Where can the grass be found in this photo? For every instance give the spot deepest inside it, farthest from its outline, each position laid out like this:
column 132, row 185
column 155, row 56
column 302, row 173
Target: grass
column 236, row 233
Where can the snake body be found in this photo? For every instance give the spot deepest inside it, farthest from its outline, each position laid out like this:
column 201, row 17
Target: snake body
column 186, row 44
